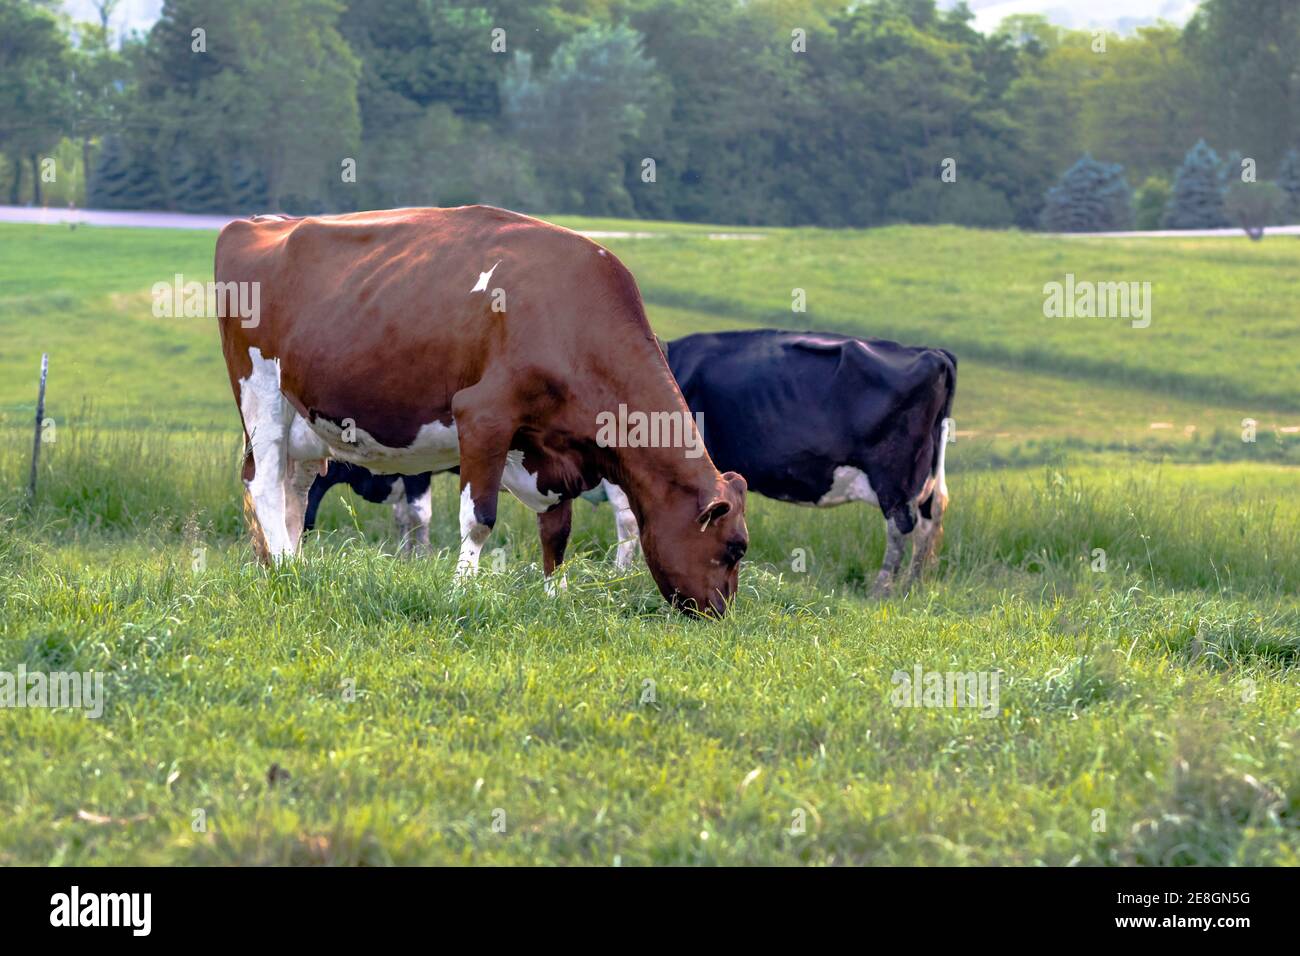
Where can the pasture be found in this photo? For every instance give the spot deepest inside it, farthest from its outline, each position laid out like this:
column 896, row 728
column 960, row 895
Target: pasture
column 357, row 708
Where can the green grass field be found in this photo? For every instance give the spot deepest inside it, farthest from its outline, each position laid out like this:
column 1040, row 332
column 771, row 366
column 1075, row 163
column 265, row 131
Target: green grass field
column 1147, row 712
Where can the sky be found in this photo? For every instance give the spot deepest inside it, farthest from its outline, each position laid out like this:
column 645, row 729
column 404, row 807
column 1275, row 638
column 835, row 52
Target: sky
column 1121, row 15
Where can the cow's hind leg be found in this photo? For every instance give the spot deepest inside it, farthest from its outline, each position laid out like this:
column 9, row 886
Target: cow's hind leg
column 928, row 535
column 895, row 539
column 484, row 436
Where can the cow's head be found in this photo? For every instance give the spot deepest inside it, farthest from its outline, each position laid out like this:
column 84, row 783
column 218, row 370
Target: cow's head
column 693, row 545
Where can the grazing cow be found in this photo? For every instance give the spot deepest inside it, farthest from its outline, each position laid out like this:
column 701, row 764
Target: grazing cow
column 822, row 419
column 415, row 340
column 408, row 494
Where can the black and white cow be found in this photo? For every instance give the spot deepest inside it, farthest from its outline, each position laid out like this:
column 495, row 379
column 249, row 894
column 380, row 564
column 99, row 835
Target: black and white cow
column 822, row 419
column 408, row 494
column 812, row 418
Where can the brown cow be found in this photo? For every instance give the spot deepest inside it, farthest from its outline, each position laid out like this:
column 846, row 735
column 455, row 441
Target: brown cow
column 413, row 340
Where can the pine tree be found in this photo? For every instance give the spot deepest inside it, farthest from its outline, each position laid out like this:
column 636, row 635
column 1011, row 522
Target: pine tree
column 1197, row 202
column 111, row 171
column 191, row 184
column 1091, row 197
column 247, row 190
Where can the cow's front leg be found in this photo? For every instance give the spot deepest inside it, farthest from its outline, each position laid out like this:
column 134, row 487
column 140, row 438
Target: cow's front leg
column 554, row 526
column 894, row 538
column 484, row 436
column 267, row 418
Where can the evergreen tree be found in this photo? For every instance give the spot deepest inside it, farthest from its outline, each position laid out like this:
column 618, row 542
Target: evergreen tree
column 247, row 188
column 192, row 185
column 1197, row 202
column 1091, row 197
column 125, row 177
column 110, row 176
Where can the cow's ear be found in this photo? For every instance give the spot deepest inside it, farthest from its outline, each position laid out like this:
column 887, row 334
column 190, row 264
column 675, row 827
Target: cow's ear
column 715, row 509
column 737, row 481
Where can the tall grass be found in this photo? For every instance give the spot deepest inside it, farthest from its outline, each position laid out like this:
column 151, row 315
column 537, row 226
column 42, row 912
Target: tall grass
column 1156, row 523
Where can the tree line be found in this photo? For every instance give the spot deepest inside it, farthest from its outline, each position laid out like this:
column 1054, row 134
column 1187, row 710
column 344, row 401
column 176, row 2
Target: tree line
column 781, row 112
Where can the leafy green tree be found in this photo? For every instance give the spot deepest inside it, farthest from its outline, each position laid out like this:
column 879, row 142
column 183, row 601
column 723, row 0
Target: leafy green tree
column 961, row 203
column 721, row 152
column 1137, row 104
column 1246, row 55
column 1253, row 206
column 291, row 106
column 580, row 115
column 1091, row 197
column 1197, row 200
column 35, row 87
column 102, row 85
column 1152, row 197
column 418, row 52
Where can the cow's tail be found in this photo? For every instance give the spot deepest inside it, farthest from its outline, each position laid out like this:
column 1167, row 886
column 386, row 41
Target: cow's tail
column 942, row 431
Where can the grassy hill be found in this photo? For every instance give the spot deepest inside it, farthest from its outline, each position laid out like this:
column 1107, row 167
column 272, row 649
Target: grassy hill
column 1147, row 710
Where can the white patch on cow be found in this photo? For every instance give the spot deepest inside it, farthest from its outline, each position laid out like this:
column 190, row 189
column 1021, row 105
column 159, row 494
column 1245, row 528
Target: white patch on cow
column 848, row 484
column 436, row 448
column 423, row 507
column 553, row 589
column 522, row 483
column 472, row 536
column 305, row 444
column 483, row 277
column 267, row 418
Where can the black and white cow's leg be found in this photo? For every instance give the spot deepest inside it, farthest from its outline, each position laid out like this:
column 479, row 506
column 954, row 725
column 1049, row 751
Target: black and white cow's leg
column 933, row 503
column 895, row 540
column 412, row 513
column 553, row 527
column 297, row 488
column 403, row 519
column 629, row 535
column 928, row 535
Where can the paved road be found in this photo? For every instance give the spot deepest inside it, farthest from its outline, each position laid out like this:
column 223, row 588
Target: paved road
column 104, row 217
column 183, row 220
column 1234, row 233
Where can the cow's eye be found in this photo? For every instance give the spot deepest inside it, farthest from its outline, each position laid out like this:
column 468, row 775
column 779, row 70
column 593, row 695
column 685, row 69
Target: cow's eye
column 735, row 551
